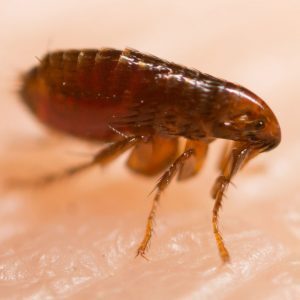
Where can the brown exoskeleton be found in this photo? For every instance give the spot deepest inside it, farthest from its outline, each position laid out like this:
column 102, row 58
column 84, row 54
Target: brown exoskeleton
column 142, row 102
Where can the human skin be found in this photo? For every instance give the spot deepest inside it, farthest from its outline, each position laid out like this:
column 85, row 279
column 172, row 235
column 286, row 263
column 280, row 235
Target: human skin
column 78, row 238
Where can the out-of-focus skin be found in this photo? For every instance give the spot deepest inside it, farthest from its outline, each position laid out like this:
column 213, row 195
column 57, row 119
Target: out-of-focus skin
column 78, row 238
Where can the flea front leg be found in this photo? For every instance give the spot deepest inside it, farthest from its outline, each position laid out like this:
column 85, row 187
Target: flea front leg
column 237, row 157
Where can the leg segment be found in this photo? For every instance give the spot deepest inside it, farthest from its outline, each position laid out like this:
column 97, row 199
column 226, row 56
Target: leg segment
column 160, row 187
column 224, row 155
column 195, row 162
column 235, row 160
column 104, row 157
column 152, row 157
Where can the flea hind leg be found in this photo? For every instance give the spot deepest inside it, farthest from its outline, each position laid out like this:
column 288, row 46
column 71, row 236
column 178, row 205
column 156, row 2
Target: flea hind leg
column 102, row 158
column 160, row 187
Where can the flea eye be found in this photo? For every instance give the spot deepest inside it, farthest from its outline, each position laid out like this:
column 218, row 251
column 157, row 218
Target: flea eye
column 259, row 125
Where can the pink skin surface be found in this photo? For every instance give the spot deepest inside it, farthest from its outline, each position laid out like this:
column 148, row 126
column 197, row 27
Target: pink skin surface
column 78, row 238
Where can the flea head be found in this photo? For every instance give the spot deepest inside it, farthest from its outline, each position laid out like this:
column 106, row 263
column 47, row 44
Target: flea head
column 245, row 117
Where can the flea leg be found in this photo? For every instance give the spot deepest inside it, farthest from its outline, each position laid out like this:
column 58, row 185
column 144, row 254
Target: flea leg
column 225, row 155
column 220, row 186
column 195, row 162
column 153, row 156
column 160, row 187
column 104, row 156
column 238, row 155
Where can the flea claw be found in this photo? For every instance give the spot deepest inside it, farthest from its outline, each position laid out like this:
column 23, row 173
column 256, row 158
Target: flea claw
column 141, row 252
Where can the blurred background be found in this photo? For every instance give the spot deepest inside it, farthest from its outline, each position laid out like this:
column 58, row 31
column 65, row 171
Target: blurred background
column 77, row 239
